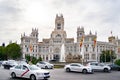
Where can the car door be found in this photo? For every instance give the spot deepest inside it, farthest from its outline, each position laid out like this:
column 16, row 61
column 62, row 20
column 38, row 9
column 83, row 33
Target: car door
column 98, row 67
column 42, row 64
column 94, row 66
column 24, row 72
column 17, row 70
column 76, row 67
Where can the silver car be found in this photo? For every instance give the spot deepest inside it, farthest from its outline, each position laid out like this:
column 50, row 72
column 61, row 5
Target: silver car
column 99, row 67
column 45, row 65
column 77, row 67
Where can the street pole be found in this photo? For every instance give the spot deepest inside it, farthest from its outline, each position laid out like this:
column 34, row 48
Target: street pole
column 111, row 57
column 105, row 58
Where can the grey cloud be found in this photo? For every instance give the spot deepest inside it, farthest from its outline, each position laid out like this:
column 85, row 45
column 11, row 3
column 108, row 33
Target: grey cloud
column 63, row 3
column 9, row 15
column 100, row 13
column 9, row 11
column 111, row 10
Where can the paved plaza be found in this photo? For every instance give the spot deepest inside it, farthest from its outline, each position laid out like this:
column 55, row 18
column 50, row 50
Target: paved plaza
column 60, row 74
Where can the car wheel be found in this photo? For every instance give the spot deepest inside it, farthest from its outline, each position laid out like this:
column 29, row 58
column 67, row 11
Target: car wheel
column 51, row 67
column 92, row 71
column 32, row 77
column 68, row 70
column 13, row 75
column 106, row 70
column 118, row 69
column 84, row 71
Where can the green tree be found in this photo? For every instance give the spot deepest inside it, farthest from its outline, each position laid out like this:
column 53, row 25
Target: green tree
column 3, row 55
column 34, row 60
column 107, row 56
column 117, row 62
column 13, row 51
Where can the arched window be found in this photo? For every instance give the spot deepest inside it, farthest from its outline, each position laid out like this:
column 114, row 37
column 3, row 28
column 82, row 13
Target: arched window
column 58, row 35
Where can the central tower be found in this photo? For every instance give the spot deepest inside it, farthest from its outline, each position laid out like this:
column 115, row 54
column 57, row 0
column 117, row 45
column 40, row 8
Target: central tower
column 59, row 22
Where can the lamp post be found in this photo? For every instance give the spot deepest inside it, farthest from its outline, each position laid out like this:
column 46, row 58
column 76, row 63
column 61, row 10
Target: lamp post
column 111, row 55
column 105, row 57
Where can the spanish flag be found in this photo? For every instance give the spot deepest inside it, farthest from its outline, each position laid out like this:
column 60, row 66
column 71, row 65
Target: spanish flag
column 31, row 47
column 81, row 41
column 94, row 41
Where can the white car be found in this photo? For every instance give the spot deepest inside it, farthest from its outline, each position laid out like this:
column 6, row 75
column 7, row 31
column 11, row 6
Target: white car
column 45, row 65
column 31, row 72
column 77, row 67
column 99, row 66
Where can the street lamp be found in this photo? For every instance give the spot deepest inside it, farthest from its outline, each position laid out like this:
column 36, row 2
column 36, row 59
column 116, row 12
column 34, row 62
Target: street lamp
column 105, row 57
column 111, row 56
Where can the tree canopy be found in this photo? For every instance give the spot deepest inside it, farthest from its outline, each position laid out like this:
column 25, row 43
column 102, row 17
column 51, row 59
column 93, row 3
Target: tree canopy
column 13, row 51
column 3, row 56
column 117, row 62
column 107, row 56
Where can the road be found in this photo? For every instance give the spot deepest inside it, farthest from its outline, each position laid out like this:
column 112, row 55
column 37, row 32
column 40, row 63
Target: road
column 60, row 74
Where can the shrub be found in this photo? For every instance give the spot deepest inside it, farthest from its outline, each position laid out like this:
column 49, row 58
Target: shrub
column 34, row 60
column 117, row 62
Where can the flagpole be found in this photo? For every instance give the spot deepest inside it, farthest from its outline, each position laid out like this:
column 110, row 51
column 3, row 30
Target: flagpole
column 95, row 47
column 81, row 47
column 31, row 48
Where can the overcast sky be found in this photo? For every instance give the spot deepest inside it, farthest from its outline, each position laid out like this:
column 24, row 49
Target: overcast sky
column 19, row 16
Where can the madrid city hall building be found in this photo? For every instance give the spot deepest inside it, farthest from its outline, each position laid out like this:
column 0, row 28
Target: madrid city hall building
column 85, row 48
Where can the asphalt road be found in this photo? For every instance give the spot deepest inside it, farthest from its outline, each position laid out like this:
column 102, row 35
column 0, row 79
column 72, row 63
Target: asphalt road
column 60, row 74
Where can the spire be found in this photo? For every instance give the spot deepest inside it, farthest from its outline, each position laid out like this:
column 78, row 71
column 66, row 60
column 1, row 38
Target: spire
column 111, row 33
column 56, row 15
column 96, row 33
column 90, row 32
column 24, row 33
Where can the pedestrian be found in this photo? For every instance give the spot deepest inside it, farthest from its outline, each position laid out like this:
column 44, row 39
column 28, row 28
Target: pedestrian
column 30, row 62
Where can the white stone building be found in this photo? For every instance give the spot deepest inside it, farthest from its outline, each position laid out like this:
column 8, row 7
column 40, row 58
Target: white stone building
column 50, row 48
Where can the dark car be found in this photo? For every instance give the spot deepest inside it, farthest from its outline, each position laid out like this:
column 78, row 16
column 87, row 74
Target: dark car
column 53, row 61
column 114, row 67
column 9, row 64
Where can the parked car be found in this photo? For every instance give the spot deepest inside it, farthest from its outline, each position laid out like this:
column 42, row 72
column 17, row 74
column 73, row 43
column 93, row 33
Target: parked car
column 77, row 67
column 4, row 62
column 45, row 65
column 114, row 67
column 8, row 64
column 22, row 62
column 99, row 66
column 31, row 72
column 53, row 61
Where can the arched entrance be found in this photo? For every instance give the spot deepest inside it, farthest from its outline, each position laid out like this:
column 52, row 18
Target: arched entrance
column 56, row 55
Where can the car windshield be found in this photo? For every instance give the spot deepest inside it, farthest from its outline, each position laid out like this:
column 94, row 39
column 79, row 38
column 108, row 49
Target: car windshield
column 22, row 62
column 12, row 62
column 43, row 62
column 33, row 67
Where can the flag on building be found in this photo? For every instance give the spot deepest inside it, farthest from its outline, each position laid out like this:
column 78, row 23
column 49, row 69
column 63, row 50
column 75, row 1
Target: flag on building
column 31, row 47
column 81, row 41
column 94, row 41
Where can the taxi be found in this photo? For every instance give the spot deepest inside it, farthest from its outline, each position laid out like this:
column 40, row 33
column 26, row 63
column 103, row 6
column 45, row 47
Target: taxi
column 31, row 72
